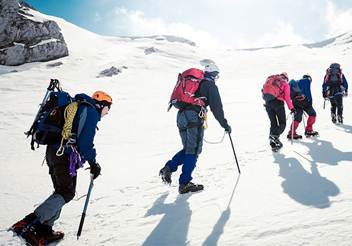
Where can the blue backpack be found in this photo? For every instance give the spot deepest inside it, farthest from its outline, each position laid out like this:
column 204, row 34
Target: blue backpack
column 50, row 119
column 295, row 91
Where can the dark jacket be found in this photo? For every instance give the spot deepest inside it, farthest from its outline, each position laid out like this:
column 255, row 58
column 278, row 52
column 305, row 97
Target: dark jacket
column 208, row 89
column 335, row 89
column 84, row 125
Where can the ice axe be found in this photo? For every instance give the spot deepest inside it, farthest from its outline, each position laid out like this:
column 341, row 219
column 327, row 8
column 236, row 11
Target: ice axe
column 85, row 208
column 233, row 149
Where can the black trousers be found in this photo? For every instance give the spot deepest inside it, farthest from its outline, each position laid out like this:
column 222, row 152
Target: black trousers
column 336, row 103
column 277, row 116
column 301, row 106
column 63, row 183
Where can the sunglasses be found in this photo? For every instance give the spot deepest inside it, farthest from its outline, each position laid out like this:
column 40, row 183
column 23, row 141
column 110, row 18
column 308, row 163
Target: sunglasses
column 102, row 105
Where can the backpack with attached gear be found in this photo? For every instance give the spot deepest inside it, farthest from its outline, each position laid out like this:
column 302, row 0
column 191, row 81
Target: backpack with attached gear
column 295, row 91
column 272, row 88
column 56, row 112
column 187, row 84
column 334, row 75
column 333, row 80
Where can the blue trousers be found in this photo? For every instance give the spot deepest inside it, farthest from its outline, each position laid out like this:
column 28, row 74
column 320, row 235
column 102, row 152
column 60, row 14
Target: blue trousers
column 191, row 132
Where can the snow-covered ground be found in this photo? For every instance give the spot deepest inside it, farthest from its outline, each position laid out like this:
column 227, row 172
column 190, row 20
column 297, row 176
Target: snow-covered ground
column 299, row 196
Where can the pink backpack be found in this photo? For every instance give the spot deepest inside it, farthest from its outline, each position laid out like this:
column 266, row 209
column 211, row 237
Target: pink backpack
column 187, row 84
column 272, row 88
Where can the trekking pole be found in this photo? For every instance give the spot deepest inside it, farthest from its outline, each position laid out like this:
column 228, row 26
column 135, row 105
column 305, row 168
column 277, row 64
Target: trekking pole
column 85, row 209
column 293, row 118
column 233, row 149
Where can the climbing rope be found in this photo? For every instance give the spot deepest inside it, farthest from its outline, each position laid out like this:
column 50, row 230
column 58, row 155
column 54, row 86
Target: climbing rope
column 69, row 115
column 216, row 142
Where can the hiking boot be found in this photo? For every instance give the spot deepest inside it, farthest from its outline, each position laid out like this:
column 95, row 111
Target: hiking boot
column 55, row 236
column 275, row 149
column 311, row 134
column 333, row 118
column 25, row 231
column 340, row 119
column 274, row 139
column 165, row 174
column 295, row 136
column 190, row 187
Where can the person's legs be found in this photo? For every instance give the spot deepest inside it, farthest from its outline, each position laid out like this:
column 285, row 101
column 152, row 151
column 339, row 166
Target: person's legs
column 333, row 107
column 176, row 160
column 297, row 120
column 36, row 227
column 277, row 117
column 339, row 106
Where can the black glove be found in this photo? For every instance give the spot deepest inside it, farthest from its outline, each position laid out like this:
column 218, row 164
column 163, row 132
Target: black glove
column 95, row 169
column 228, row 129
column 293, row 111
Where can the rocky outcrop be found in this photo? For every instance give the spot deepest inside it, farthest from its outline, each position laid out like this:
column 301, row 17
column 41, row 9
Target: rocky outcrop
column 111, row 71
column 23, row 40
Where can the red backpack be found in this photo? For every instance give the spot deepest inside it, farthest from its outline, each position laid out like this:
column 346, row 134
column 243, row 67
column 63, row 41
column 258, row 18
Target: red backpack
column 272, row 88
column 187, row 84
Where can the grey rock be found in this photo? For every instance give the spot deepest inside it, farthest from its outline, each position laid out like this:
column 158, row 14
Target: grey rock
column 110, row 72
column 150, row 50
column 23, row 40
column 55, row 64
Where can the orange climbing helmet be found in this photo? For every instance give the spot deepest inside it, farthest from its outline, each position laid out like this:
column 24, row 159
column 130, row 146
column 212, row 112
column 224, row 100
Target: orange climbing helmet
column 102, row 98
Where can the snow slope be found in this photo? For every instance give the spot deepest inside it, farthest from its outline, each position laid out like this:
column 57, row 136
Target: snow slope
column 300, row 196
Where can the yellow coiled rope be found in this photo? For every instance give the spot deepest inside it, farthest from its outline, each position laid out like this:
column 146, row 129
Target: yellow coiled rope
column 69, row 115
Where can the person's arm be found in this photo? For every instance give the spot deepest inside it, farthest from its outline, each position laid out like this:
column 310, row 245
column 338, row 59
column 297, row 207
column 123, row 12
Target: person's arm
column 215, row 105
column 287, row 96
column 88, row 121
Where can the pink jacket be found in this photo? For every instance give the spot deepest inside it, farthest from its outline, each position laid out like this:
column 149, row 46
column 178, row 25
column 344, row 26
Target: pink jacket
column 286, row 96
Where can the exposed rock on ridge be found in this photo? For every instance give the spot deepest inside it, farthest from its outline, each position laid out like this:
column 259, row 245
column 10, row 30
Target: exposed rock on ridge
column 24, row 40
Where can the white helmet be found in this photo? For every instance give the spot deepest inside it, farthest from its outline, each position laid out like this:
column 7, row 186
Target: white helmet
column 211, row 68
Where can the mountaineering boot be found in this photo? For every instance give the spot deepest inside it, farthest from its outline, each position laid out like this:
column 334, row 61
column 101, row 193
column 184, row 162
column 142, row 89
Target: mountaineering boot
column 55, row 236
column 35, row 233
column 190, row 187
column 295, row 136
column 165, row 174
column 333, row 118
column 275, row 143
column 340, row 119
column 311, row 134
column 25, row 231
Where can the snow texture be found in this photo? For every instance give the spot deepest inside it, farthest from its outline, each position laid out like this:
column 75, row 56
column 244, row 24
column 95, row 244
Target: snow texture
column 299, row 196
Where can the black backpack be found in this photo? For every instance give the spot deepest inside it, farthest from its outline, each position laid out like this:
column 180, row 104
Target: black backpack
column 334, row 75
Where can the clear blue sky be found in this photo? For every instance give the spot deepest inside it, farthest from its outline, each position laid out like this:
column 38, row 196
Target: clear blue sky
column 209, row 23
